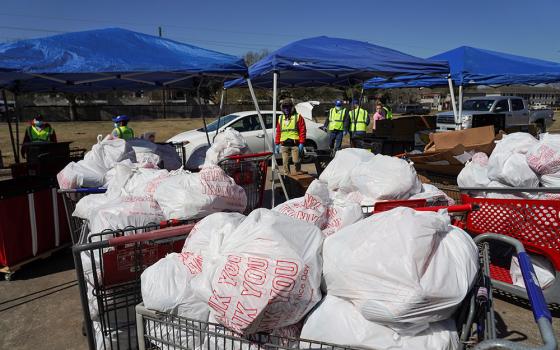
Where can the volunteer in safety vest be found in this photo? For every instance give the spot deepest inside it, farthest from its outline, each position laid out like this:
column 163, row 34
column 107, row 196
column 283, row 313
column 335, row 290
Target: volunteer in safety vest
column 358, row 121
column 290, row 136
column 38, row 131
column 335, row 124
column 121, row 130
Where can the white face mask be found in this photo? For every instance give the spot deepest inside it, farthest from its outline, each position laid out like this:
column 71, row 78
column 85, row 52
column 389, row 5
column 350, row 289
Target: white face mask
column 338, row 108
column 116, row 125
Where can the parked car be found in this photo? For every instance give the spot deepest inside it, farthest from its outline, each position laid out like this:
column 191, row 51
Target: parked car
column 247, row 123
column 513, row 109
column 410, row 108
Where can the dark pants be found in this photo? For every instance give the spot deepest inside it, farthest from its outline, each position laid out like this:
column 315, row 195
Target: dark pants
column 335, row 140
column 356, row 137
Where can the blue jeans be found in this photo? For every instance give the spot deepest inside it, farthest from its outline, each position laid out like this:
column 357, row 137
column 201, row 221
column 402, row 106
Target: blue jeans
column 335, row 139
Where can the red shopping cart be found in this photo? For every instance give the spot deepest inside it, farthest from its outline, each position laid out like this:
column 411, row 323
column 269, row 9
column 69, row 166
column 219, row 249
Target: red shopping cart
column 248, row 171
column 475, row 321
column 108, row 266
column 534, row 222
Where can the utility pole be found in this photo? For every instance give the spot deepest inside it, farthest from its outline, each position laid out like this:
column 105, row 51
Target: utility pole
column 160, row 31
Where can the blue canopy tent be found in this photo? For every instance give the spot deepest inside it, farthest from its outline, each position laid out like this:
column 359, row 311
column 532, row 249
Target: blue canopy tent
column 471, row 66
column 110, row 59
column 325, row 61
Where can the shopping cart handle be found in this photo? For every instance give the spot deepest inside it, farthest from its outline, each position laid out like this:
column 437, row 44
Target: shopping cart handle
column 534, row 291
column 84, row 190
column 163, row 233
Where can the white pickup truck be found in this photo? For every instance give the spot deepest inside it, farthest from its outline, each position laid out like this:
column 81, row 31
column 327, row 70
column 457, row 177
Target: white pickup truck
column 502, row 111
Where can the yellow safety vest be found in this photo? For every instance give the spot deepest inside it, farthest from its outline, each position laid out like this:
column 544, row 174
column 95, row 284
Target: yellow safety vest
column 290, row 130
column 358, row 120
column 336, row 119
column 388, row 113
column 36, row 135
column 125, row 133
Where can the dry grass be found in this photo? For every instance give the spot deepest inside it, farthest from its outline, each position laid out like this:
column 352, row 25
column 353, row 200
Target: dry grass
column 84, row 134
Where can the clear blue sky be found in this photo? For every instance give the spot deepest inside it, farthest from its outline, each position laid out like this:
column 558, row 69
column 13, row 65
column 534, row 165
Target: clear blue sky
column 421, row 28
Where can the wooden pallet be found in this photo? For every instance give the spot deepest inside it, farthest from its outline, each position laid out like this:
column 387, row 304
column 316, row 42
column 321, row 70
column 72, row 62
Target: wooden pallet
column 8, row 271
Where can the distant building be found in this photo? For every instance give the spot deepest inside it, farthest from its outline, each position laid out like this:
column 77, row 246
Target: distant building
column 532, row 94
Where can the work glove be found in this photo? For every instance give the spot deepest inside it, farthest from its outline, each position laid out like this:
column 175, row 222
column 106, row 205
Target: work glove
column 300, row 147
column 276, row 149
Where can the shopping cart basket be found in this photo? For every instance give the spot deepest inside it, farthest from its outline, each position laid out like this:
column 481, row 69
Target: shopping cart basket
column 248, row 171
column 474, row 319
column 108, row 266
column 534, row 222
column 70, row 198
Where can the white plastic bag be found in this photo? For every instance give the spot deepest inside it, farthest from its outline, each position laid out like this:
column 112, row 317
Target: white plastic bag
column 474, row 174
column 433, row 195
column 543, row 269
column 383, row 178
column 227, row 143
column 337, row 321
column 343, row 211
column 544, row 157
column 401, row 268
column 125, row 211
column 269, row 273
column 340, row 167
column 312, row 207
column 508, row 164
column 186, row 195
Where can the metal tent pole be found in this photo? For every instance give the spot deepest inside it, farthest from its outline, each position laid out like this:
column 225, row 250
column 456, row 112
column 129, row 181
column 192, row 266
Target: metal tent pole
column 274, row 102
column 450, row 82
column 17, row 110
column 200, row 110
column 219, row 113
column 263, row 127
column 461, row 105
column 8, row 119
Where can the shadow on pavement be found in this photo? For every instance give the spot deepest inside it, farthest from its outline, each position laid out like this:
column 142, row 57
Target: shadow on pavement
column 517, row 301
column 503, row 332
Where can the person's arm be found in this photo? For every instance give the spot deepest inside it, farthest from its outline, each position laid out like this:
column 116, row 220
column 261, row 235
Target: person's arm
column 326, row 124
column 53, row 136
column 278, row 132
column 367, row 118
column 302, row 130
column 347, row 121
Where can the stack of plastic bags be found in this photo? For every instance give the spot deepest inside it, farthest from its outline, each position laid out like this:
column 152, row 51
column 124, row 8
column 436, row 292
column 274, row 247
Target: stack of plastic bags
column 252, row 274
column 518, row 160
column 394, row 280
column 90, row 171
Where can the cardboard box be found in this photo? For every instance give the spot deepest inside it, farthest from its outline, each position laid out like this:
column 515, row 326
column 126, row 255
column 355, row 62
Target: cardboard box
column 477, row 139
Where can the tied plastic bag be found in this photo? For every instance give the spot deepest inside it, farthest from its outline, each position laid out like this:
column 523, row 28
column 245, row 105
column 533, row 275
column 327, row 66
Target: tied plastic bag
column 433, row 195
column 401, row 268
column 474, row 174
column 227, row 143
column 340, row 167
column 544, row 157
column 90, row 171
column 383, row 178
column 186, row 195
column 508, row 164
column 343, row 211
column 337, row 321
column 125, row 211
column 312, row 207
column 269, row 273
column 543, row 269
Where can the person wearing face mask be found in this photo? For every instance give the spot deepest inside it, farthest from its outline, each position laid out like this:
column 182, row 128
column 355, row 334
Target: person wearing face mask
column 335, row 125
column 38, row 131
column 290, row 136
column 359, row 120
column 121, row 130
